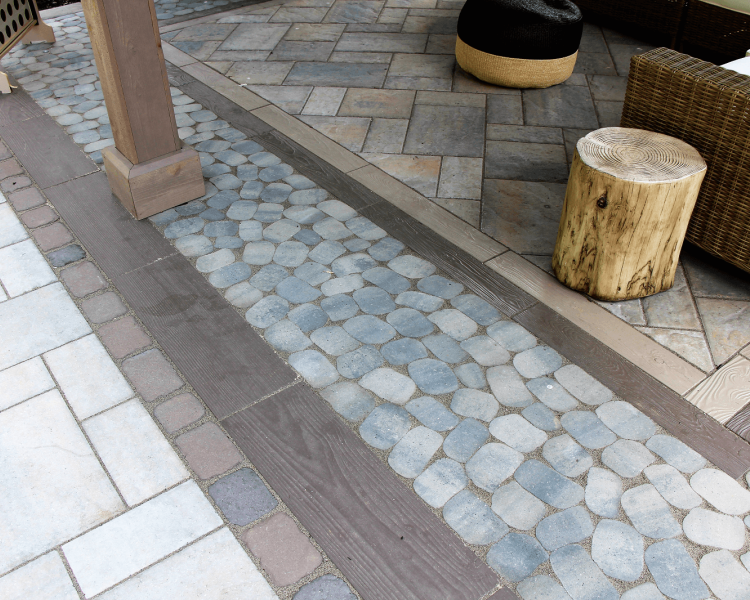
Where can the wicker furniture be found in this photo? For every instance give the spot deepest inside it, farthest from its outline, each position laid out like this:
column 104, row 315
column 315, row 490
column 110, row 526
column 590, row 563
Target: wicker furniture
column 709, row 108
column 721, row 26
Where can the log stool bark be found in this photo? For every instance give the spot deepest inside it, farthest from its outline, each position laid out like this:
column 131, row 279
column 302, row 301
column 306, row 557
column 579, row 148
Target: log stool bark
column 627, row 207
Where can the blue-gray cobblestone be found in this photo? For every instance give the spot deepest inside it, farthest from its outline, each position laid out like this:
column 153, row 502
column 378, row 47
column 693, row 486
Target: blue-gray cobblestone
column 247, row 147
column 516, row 556
column 436, row 285
column 331, row 229
column 565, row 527
column 603, row 492
column 552, row 394
column 364, row 228
column 359, row 362
column 432, row 413
column 230, row 274
column 342, row 285
column 672, row 486
column 709, row 528
column 587, row 429
column 247, row 172
column 476, row 309
column 264, row 159
column 471, row 375
column 296, row 291
column 349, row 400
column 411, row 266
column 419, row 301
column 444, row 347
column 286, row 336
column 674, row 571
column 677, row 454
column 389, row 385
column 275, row 173
column 645, row 591
column 721, row 491
column 580, row 576
column 485, row 351
column 440, row 482
column 386, row 249
column 259, row 253
column 227, row 181
column 508, row 387
column 517, row 507
column 626, row 421
column 649, row 512
column 433, row 376
column 617, row 549
column 336, row 209
column 305, row 215
column 385, row 426
column 215, row 260
column 474, row 403
column 307, row 236
column 164, row 218
column 492, row 464
column 215, row 170
column 251, row 190
column 290, row 254
column 374, row 301
column 243, row 295
column 313, row 273
column 726, row 577
column 220, row 228
column 314, row 367
column 308, row 196
column 542, row 417
column 627, row 458
column 409, row 322
column 276, row 193
column 339, row 307
column 251, row 231
column 584, row 387
column 369, row 329
column 411, row 454
column 211, row 214
column 327, row 587
column 537, row 362
column 465, row 440
column 269, row 277
column 356, row 244
column 299, row 182
column 308, row 317
column 282, row 230
column 403, row 351
column 454, row 323
column 566, row 456
column 327, row 251
column 541, row 587
column 184, row 227
column 384, row 278
column 517, row 432
column 548, row 485
column 242, row 497
column 267, row 311
column 268, row 213
column 473, row 520
column 511, row 336
column 222, row 200
column 231, row 157
column 194, row 245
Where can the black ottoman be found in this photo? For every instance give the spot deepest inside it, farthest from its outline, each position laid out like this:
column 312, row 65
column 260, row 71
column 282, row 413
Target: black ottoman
column 519, row 43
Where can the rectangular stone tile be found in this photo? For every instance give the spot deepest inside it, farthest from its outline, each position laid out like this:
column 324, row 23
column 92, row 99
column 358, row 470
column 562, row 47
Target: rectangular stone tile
column 198, row 50
column 259, row 73
column 87, row 376
column 23, row 268
column 422, row 65
column 134, row 451
column 711, row 277
column 609, row 113
column 417, row 83
column 42, row 449
column 216, row 565
column 411, row 3
column 306, row 32
column 560, row 106
column 523, row 215
column 11, row 230
column 24, row 381
column 468, row 210
column 337, row 74
column 592, row 39
column 244, row 98
column 255, row 36
column 673, row 307
column 392, row 15
column 726, row 325
column 205, row 32
column 386, row 136
column 526, row 162
column 293, row 14
column 464, row 82
column 373, row 28
column 251, row 18
column 239, row 55
column 575, row 79
column 594, row 63
column 441, row 44
column 36, row 322
column 622, row 53
column 571, row 137
column 418, row 172
column 303, row 51
column 42, row 579
column 726, row 392
column 690, row 345
column 377, row 103
column 504, row 109
column 446, row 130
column 354, row 11
column 174, row 55
column 350, row 132
column 460, row 177
column 107, row 555
column 324, row 101
column 360, row 57
column 430, row 24
column 382, row 42
column 515, row 133
column 607, row 87
column 222, row 66
column 450, row 99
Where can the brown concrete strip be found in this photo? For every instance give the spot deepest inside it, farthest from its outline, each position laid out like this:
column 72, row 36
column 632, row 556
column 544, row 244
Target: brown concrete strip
column 382, row 537
column 37, row 142
column 17, row 107
column 683, row 420
column 504, row 594
column 225, row 86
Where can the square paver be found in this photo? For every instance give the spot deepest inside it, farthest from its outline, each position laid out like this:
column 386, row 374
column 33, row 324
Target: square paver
column 53, row 236
column 354, row 11
column 23, row 268
column 526, row 162
column 460, row 177
column 242, row 497
column 24, row 381
column 386, row 135
column 123, row 337
column 208, row 450
column 151, row 374
column 594, row 63
column 255, row 36
column 179, row 412
column 103, row 308
column 560, row 106
column 504, row 109
column 26, row 199
column 83, row 279
column 446, row 130
column 350, row 132
column 337, row 74
column 377, row 103
column 42, row 449
column 42, row 579
column 605, row 87
column 38, row 217
column 418, row 172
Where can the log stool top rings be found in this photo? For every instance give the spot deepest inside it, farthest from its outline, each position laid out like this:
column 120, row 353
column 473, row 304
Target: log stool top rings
column 627, row 207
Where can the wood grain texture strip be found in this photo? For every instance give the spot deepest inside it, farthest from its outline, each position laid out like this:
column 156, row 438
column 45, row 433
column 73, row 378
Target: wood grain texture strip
column 221, row 356
column 319, row 170
column 674, row 372
column 445, row 223
column 683, row 420
column 177, row 77
column 740, row 423
column 745, row 352
column 457, row 263
column 225, row 86
column 18, row 106
column 724, row 393
column 114, row 238
column 48, row 153
column 504, row 594
column 374, row 528
column 308, row 138
column 225, row 109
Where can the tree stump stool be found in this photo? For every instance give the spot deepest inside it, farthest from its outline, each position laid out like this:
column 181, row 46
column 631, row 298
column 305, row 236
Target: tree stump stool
column 627, row 207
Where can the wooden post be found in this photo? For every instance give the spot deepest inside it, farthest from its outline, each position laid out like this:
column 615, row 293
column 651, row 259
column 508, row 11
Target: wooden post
column 627, row 207
column 148, row 169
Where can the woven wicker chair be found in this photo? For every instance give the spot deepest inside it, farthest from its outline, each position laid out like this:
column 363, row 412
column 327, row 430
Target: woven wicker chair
column 709, row 108
column 716, row 29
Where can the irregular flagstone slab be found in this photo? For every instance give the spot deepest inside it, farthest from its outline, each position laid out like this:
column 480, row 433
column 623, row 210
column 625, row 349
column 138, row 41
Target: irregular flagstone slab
column 649, row 512
column 485, row 351
column 548, row 485
column 618, row 550
column 314, row 367
column 725, row 576
column 720, row 490
column 511, row 336
column 537, row 362
column 710, row 528
column 492, row 464
column 476, row 404
column 541, row 587
column 580, row 576
column 517, row 507
column 563, row 528
column 584, row 387
column 676, row 453
column 516, row 556
column 646, row 591
column 440, row 482
column 433, row 376
column 626, row 420
column 603, row 492
column 539, row 415
column 674, row 571
column 508, row 387
column 566, row 456
column 432, row 414
column 473, row 520
column 627, row 458
column 389, row 385
column 552, row 394
column 587, row 429
column 673, row 487
column 465, row 440
column 385, row 426
column 350, row 400
column 517, row 432
column 411, row 454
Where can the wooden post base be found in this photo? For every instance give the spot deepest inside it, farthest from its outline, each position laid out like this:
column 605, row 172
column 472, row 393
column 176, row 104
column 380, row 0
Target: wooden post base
column 4, row 83
column 154, row 186
column 41, row 32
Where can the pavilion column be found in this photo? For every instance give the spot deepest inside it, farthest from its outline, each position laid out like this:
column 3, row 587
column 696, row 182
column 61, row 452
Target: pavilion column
column 148, row 169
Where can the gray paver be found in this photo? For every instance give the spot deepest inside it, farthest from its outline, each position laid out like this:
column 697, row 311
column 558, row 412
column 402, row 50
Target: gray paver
column 673, row 487
column 286, row 336
column 444, row 347
column 541, row 587
column 342, row 285
column 603, row 492
column 485, row 351
column 580, row 576
column 476, row 404
column 403, row 351
column 511, row 336
column 676, row 453
column 385, row 426
column 470, row 375
column 465, row 440
column 432, row 414
column 587, row 429
column 242, row 497
column 410, row 323
column 542, row 417
column 454, row 323
column 517, row 507
column 721, row 491
column 327, row 587
column 492, row 464
column 646, row 591
column 618, row 550
column 419, row 301
column 411, row 454
column 626, row 420
column 386, row 249
column 269, row 277
column 508, row 387
column 433, row 376
column 709, row 528
column 440, row 482
column 243, row 295
column 389, row 385
column 725, row 576
column 649, row 513
column 437, row 285
column 339, row 307
column 674, row 571
column 584, row 387
column 369, row 329
column 566, row 456
column 627, row 458
column 473, row 520
column 194, row 245
column 349, row 400
column 537, row 362
column 314, row 367
column 552, row 394
column 359, row 362
column 476, row 309
column 517, row 432
column 548, row 485
column 374, row 301
column 565, row 527
column 390, row 281
column 516, row 556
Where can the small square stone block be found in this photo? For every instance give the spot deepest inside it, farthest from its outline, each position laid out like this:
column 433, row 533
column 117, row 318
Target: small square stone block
column 10, row 167
column 285, row 553
column 242, row 497
column 179, row 412
column 103, row 308
column 151, row 374
column 17, row 182
column 123, row 337
column 208, row 450
column 83, row 279
column 26, row 199
column 53, row 236
column 43, row 215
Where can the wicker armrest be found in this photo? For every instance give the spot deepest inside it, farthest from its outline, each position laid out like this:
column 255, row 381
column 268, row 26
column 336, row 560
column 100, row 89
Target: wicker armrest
column 709, row 108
